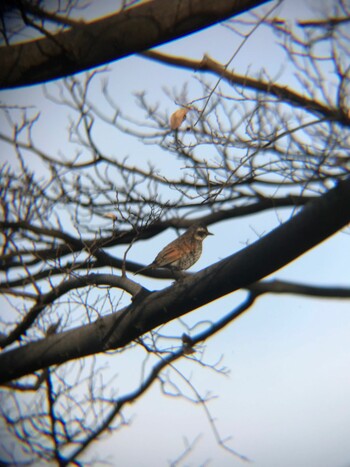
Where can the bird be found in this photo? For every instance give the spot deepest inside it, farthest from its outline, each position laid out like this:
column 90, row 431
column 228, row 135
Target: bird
column 183, row 252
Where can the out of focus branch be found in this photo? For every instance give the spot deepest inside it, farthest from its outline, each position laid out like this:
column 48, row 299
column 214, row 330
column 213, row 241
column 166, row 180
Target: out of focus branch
column 133, row 30
column 281, row 92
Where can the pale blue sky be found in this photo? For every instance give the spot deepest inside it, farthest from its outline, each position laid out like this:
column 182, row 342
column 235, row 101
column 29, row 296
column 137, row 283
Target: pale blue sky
column 286, row 400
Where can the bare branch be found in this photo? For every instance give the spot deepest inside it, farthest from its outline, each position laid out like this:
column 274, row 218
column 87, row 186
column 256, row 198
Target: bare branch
column 282, row 92
column 317, row 221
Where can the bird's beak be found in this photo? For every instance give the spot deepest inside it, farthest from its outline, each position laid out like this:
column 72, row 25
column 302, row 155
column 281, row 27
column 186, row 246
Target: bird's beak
column 209, row 233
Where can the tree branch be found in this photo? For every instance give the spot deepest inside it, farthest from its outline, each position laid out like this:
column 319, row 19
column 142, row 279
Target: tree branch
column 282, row 92
column 293, row 288
column 73, row 244
column 168, row 360
column 317, row 221
column 63, row 288
column 102, row 41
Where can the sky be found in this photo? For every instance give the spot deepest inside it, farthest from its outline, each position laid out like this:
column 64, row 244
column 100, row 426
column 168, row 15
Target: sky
column 285, row 400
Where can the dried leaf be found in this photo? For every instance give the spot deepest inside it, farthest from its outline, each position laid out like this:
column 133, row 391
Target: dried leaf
column 177, row 118
column 111, row 215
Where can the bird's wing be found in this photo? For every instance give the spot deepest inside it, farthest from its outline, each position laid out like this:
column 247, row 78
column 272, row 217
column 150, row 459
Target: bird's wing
column 168, row 256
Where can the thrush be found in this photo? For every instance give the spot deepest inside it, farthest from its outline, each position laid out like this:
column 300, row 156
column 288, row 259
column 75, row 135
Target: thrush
column 181, row 253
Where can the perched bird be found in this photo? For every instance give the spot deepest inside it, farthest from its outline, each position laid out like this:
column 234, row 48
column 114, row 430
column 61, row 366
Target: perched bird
column 183, row 252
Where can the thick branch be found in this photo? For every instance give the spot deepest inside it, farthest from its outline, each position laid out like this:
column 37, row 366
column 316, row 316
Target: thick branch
column 317, row 221
column 156, row 370
column 102, row 41
column 61, row 289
